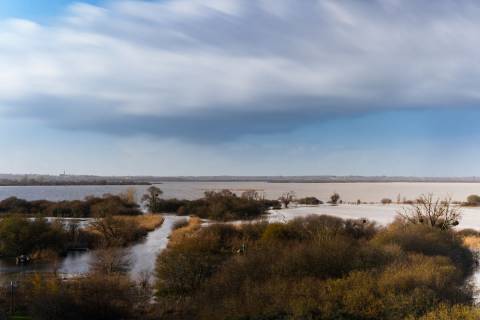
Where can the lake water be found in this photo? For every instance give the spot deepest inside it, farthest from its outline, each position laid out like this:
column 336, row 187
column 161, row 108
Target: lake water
column 350, row 192
column 382, row 214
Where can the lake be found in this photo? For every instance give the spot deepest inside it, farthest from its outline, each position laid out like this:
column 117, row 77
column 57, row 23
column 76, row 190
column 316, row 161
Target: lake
column 350, row 192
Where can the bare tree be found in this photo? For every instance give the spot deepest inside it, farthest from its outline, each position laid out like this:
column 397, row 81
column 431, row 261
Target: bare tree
column 111, row 261
column 286, row 198
column 334, row 198
column 432, row 212
column 250, row 195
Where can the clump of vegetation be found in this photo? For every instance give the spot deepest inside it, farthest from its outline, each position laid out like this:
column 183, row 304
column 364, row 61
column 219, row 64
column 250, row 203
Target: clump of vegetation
column 309, row 201
column 34, row 237
column 386, row 201
column 222, row 205
column 179, row 224
column 120, row 231
column 286, row 198
column 319, row 267
column 436, row 213
column 99, row 296
column 472, row 200
column 89, row 207
column 334, row 199
column 21, row 236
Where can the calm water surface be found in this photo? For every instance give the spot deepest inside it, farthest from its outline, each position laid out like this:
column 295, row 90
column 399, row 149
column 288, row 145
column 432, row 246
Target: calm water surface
column 369, row 192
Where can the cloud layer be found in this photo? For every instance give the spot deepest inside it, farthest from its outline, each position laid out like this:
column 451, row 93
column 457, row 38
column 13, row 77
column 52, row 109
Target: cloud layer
column 218, row 69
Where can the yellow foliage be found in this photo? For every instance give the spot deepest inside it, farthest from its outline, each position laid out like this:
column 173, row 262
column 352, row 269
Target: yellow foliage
column 473, row 242
column 194, row 224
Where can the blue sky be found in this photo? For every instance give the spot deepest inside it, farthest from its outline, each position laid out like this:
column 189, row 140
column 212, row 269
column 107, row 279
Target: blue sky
column 225, row 87
column 36, row 10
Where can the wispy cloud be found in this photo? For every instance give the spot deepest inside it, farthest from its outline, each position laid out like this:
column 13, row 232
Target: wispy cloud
column 219, row 69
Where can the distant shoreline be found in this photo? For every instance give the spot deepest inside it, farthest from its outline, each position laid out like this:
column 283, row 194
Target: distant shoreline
column 71, row 183
column 86, row 180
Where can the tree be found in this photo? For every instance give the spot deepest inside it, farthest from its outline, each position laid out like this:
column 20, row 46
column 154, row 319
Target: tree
column 386, row 201
column 116, row 232
column 334, row 198
column 111, row 261
column 432, row 212
column 152, row 198
column 286, row 198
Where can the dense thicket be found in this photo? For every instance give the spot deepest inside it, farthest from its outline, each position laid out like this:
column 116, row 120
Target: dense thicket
column 313, row 268
column 23, row 236
column 36, row 236
column 309, row 201
column 89, row 207
column 222, row 206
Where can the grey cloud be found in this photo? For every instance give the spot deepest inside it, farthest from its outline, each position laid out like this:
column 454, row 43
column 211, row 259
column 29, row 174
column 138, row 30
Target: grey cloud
column 214, row 70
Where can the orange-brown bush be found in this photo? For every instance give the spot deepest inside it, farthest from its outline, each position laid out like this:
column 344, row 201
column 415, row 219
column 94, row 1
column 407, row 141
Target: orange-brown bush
column 312, row 268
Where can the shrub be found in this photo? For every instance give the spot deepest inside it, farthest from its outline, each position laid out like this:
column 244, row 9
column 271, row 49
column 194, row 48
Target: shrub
column 19, row 236
column 334, row 198
column 94, row 297
column 473, row 200
column 457, row 312
column 428, row 241
column 386, row 201
column 309, row 201
column 180, row 224
column 318, row 267
column 91, row 206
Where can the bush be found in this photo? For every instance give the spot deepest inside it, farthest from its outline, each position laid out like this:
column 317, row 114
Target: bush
column 473, row 200
column 318, row 267
column 180, row 224
column 226, row 206
column 94, row 297
column 91, row 206
column 468, row 233
column 386, row 201
column 334, row 198
column 428, row 241
column 457, row 312
column 19, row 236
column 309, row 201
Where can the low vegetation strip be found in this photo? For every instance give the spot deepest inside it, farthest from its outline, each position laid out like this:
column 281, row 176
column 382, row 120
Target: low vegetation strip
column 123, row 204
column 148, row 222
column 220, row 206
column 20, row 236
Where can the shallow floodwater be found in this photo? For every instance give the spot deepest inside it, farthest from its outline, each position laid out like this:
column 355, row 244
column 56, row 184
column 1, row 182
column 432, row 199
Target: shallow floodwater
column 142, row 256
column 350, row 192
column 382, row 214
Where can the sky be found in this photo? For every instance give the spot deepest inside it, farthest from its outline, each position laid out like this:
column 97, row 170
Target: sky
column 230, row 87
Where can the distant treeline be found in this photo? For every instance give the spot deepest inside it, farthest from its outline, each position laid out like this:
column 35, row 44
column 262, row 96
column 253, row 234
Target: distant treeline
column 89, row 207
column 34, row 182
